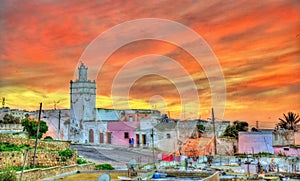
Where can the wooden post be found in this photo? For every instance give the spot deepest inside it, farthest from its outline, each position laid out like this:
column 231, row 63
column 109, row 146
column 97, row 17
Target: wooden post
column 214, row 128
column 24, row 164
column 58, row 127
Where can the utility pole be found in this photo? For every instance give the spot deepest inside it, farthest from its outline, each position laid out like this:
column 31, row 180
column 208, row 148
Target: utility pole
column 214, row 128
column 37, row 135
column 3, row 102
column 58, row 127
column 257, row 124
column 152, row 135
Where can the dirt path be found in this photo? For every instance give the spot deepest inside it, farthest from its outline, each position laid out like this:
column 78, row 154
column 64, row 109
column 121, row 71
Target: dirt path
column 114, row 155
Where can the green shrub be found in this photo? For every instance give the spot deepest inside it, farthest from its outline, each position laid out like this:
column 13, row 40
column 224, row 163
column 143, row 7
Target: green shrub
column 25, row 146
column 8, row 174
column 240, row 155
column 264, row 154
column 65, row 154
column 9, row 147
column 81, row 161
column 48, row 138
column 104, row 167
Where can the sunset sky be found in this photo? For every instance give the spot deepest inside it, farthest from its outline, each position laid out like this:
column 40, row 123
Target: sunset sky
column 257, row 44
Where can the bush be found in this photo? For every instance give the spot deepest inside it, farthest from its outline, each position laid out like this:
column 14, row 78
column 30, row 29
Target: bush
column 48, row 138
column 104, row 167
column 65, row 154
column 81, row 161
column 263, row 154
column 8, row 174
column 9, row 147
column 240, row 155
column 25, row 146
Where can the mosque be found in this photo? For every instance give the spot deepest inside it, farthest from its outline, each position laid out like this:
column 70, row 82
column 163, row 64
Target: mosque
column 88, row 123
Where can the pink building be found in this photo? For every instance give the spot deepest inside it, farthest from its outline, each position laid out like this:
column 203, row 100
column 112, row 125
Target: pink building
column 136, row 115
column 118, row 133
column 255, row 142
column 286, row 142
column 287, row 150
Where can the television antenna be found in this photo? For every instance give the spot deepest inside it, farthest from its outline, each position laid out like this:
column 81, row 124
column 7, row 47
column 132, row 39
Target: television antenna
column 3, row 102
column 55, row 104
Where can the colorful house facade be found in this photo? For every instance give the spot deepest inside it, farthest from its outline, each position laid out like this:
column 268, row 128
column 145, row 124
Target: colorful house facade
column 255, row 142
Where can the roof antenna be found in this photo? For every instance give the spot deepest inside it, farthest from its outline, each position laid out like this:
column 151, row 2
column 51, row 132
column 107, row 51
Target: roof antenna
column 3, row 102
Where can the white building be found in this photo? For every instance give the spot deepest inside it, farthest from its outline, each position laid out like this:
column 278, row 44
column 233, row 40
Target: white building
column 83, row 104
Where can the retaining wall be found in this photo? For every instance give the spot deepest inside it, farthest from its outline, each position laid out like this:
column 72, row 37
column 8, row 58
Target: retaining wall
column 43, row 158
column 49, row 145
column 39, row 173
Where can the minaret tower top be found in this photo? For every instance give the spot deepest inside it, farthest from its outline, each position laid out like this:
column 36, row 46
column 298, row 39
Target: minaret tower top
column 82, row 73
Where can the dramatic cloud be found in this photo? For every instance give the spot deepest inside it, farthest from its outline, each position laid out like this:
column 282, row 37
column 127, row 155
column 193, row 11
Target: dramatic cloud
column 256, row 43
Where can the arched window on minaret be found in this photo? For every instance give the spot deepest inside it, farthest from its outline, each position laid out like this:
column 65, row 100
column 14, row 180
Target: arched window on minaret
column 82, row 72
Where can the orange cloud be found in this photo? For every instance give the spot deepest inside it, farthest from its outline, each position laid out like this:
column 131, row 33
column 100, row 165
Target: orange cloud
column 257, row 44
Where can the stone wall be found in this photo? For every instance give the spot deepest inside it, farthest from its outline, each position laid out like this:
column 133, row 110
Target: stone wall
column 49, row 145
column 226, row 146
column 37, row 174
column 283, row 137
column 45, row 158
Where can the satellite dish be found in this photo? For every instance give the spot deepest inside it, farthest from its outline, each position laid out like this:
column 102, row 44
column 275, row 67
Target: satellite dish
column 131, row 163
column 104, row 177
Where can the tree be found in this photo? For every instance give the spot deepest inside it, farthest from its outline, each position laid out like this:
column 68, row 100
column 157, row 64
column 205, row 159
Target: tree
column 31, row 127
column 10, row 119
column 233, row 131
column 241, row 126
column 253, row 129
column 289, row 121
column 200, row 127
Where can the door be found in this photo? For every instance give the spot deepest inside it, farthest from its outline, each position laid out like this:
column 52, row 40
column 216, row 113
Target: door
column 91, row 136
column 137, row 138
column 108, row 137
column 144, row 139
column 101, row 138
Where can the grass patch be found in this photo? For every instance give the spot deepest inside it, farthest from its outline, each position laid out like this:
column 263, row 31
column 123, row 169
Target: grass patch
column 17, row 169
column 8, row 174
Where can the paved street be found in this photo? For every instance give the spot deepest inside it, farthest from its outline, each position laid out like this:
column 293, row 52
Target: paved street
column 115, row 155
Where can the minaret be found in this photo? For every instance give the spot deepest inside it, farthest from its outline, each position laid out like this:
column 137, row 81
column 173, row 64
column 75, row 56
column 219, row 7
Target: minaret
column 82, row 103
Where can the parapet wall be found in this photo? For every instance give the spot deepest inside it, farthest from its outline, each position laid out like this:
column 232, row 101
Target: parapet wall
column 11, row 126
column 49, row 145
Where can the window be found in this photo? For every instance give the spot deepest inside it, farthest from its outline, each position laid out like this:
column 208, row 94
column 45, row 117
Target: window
column 126, row 135
column 130, row 118
column 286, row 149
column 168, row 135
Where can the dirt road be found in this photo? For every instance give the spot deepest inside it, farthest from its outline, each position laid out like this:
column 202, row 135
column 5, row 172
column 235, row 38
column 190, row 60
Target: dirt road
column 115, row 155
